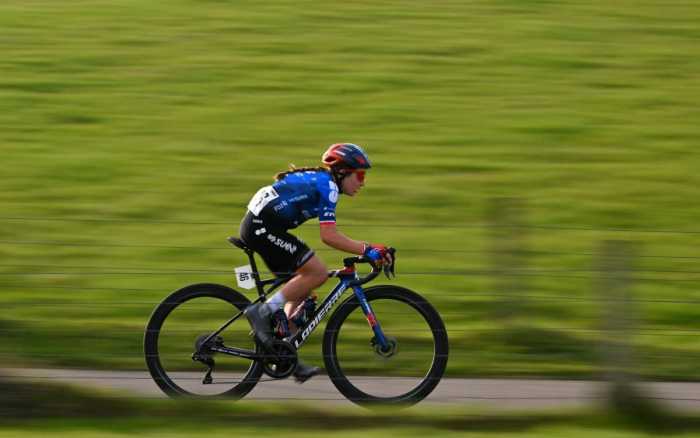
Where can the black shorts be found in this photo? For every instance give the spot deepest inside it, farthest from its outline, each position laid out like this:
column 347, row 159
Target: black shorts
column 282, row 252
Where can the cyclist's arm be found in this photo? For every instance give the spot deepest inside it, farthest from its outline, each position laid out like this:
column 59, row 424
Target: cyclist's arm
column 335, row 239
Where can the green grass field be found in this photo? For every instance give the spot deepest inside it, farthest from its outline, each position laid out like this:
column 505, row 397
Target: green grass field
column 31, row 409
column 133, row 134
column 496, row 427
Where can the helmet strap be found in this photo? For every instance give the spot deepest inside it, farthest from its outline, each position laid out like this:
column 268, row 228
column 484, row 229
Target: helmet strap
column 338, row 178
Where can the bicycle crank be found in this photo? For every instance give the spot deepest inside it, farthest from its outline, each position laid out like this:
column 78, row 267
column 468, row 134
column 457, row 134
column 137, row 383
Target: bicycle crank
column 280, row 359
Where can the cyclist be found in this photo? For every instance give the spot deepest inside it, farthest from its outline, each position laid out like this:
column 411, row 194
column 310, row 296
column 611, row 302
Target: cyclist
column 296, row 196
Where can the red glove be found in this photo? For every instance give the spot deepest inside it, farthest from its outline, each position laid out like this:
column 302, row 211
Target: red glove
column 377, row 253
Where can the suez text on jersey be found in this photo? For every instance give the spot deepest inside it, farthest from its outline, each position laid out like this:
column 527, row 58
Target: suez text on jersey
column 287, row 246
column 320, row 315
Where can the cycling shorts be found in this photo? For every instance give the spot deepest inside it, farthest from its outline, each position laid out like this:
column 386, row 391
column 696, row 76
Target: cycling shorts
column 282, row 252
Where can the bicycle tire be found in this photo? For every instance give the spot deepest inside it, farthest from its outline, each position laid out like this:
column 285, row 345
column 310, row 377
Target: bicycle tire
column 398, row 295
column 160, row 375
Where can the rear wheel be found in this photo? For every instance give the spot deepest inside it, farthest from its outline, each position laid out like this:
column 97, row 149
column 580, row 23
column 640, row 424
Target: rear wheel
column 178, row 329
column 404, row 373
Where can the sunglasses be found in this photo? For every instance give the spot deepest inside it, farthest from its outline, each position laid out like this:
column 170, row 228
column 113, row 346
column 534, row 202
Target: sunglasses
column 360, row 175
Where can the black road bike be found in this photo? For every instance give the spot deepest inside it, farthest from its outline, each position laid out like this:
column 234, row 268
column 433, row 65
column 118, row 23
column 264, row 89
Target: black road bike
column 382, row 345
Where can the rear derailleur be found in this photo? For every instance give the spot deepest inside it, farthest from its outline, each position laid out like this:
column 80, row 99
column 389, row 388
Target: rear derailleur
column 203, row 353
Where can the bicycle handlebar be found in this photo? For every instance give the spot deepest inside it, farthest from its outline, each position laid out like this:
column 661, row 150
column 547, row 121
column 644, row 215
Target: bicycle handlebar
column 376, row 269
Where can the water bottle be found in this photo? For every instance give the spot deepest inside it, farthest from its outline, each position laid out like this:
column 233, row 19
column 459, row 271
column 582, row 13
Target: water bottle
column 304, row 312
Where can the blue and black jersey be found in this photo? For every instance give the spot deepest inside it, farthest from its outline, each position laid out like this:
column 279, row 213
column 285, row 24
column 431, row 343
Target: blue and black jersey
column 296, row 198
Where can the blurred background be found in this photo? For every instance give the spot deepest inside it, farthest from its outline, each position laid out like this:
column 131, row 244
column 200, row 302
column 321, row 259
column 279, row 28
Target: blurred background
column 534, row 162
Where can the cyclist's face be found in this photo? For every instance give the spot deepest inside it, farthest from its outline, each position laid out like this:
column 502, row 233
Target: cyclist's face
column 353, row 182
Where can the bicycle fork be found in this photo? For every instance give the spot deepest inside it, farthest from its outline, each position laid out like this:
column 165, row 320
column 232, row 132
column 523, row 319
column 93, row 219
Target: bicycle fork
column 372, row 320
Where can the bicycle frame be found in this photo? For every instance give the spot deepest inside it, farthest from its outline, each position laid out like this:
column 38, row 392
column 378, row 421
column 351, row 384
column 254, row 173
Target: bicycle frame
column 348, row 279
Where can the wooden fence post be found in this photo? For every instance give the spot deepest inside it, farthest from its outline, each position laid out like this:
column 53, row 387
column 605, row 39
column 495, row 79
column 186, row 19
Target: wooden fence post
column 618, row 313
column 619, row 326
column 505, row 216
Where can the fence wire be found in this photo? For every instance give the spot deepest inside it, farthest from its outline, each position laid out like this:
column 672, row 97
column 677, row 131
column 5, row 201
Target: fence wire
column 228, row 248
column 363, row 225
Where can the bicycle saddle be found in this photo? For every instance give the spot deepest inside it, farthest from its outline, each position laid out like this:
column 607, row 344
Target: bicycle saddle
column 235, row 241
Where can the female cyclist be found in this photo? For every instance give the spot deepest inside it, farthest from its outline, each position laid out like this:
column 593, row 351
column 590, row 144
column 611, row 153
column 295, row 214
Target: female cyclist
column 296, row 196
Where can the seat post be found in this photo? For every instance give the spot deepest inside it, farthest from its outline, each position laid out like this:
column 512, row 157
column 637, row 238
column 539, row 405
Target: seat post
column 235, row 241
column 256, row 275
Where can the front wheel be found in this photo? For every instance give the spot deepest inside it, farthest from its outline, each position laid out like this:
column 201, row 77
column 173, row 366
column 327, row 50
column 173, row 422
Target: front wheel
column 405, row 373
column 178, row 357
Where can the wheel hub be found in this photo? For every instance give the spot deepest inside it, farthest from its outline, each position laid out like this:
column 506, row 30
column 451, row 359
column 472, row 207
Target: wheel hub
column 392, row 347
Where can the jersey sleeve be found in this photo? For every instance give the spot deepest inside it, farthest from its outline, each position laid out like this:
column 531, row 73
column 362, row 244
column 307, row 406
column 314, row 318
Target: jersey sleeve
column 329, row 199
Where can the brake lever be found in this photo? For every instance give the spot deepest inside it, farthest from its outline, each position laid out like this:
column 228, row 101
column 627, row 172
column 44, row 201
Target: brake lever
column 389, row 269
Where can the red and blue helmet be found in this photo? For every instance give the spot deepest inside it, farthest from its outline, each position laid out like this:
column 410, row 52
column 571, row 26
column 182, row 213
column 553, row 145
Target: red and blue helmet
column 345, row 156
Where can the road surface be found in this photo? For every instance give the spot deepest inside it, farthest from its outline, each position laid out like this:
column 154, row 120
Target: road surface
column 486, row 393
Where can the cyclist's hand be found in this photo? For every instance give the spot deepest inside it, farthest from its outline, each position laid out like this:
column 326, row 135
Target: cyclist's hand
column 378, row 254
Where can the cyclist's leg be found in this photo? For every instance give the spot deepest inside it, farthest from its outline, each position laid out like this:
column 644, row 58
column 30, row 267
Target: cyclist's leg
column 309, row 276
column 283, row 253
